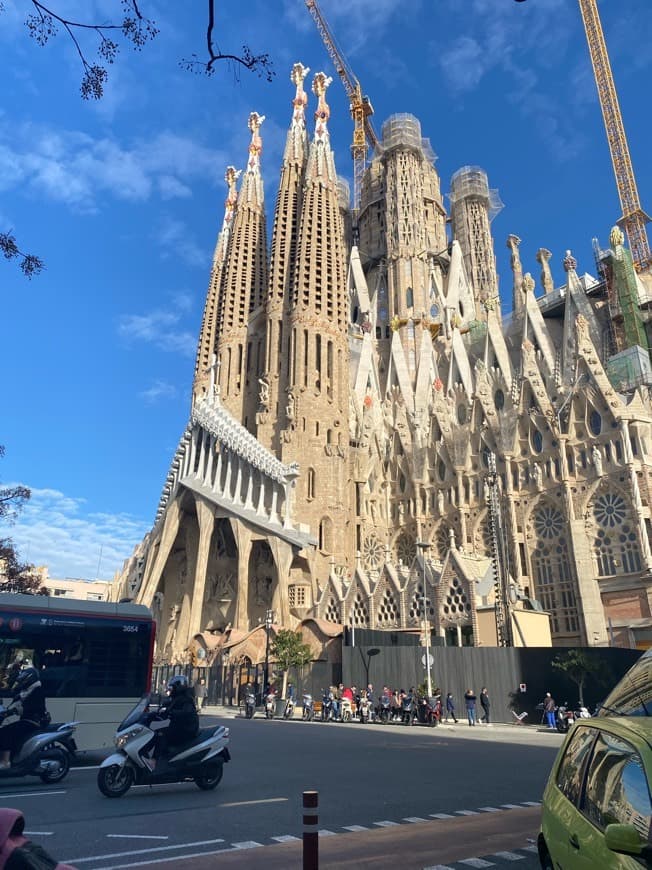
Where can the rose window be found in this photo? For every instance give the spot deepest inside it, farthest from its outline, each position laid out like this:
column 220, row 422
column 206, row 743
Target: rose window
column 373, row 552
column 406, row 549
column 610, row 509
column 548, row 522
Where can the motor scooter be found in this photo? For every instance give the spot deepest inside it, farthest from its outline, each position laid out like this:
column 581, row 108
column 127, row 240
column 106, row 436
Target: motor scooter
column 327, row 711
column 200, row 760
column 564, row 718
column 364, row 710
column 308, row 707
column 46, row 753
column 270, row 705
column 384, row 709
column 249, row 705
column 429, row 711
column 288, row 713
column 408, row 710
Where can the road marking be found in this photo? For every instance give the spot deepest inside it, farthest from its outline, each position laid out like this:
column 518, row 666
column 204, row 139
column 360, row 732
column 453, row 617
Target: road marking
column 438, row 867
column 477, row 862
column 38, row 833
column 508, row 856
column 511, row 806
column 168, row 859
column 32, row 794
column 326, row 833
column 137, row 837
column 490, row 809
column 466, row 813
column 251, row 803
column 87, row 767
column 531, row 803
column 385, row 824
column 139, row 852
column 414, row 819
column 286, row 838
column 247, row 844
column 441, row 816
column 533, row 849
column 355, row 828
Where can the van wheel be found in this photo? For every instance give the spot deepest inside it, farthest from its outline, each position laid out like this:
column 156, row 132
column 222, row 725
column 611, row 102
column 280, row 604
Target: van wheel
column 115, row 781
column 544, row 855
column 210, row 778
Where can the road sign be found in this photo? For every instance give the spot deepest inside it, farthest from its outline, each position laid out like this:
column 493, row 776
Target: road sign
column 427, row 660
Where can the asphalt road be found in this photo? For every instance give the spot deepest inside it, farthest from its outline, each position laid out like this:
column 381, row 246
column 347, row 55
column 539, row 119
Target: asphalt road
column 369, row 778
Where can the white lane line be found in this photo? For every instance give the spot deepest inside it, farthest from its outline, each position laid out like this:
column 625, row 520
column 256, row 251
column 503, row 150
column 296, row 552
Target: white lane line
column 247, row 844
column 477, row 862
column 74, row 861
column 490, row 809
column 511, row 806
column 32, row 794
column 414, row 819
column 531, row 803
column 466, row 813
column 386, row 824
column 355, row 828
column 286, row 838
column 168, row 859
column 136, row 837
column 251, row 803
column 441, row 816
column 38, row 833
column 508, row 856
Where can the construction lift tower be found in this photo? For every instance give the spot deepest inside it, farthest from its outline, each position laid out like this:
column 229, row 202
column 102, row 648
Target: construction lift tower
column 361, row 108
column 633, row 219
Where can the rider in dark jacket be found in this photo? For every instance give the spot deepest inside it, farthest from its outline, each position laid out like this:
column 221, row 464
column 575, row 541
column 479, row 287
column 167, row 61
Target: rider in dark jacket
column 28, row 702
column 179, row 708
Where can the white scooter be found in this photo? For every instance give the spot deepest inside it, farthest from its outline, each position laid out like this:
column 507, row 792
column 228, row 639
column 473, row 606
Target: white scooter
column 200, row 760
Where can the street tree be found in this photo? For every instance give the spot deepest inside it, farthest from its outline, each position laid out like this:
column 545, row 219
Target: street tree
column 98, row 44
column 290, row 652
column 578, row 665
column 15, row 576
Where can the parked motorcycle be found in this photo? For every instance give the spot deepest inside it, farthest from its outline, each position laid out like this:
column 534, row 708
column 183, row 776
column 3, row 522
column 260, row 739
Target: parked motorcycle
column 384, row 709
column 346, row 710
column 408, row 710
column 429, row 710
column 200, row 760
column 564, row 718
column 327, row 711
column 308, row 708
column 249, row 705
column 270, row 705
column 364, row 710
column 288, row 713
column 46, row 753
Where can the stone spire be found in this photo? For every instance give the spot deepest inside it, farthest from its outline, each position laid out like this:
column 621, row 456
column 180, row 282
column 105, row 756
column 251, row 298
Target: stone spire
column 244, row 283
column 316, row 400
column 206, row 343
column 518, row 300
column 543, row 257
column 287, row 215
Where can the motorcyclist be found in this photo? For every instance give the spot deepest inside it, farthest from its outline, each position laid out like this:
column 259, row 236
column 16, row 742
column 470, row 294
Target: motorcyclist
column 28, row 703
column 180, row 710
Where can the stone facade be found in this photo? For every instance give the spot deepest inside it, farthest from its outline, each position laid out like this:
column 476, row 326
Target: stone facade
column 350, row 398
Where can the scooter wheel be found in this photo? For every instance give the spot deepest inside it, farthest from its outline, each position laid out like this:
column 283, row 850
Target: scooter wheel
column 61, row 759
column 210, row 778
column 115, row 781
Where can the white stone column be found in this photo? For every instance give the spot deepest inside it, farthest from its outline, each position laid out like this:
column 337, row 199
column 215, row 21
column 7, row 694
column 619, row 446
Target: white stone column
column 250, row 487
column 218, row 471
column 227, row 480
column 237, row 495
column 273, row 510
column 260, row 509
column 206, row 521
column 208, row 477
column 458, row 629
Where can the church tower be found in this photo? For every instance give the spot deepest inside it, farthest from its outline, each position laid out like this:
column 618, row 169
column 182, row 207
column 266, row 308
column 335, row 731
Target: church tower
column 244, row 285
column 473, row 207
column 272, row 392
column 314, row 394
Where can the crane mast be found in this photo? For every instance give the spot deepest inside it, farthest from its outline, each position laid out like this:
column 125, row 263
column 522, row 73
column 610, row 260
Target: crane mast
column 633, row 219
column 361, row 108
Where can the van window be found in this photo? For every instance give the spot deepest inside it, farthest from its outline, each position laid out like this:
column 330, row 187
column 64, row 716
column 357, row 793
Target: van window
column 570, row 775
column 633, row 694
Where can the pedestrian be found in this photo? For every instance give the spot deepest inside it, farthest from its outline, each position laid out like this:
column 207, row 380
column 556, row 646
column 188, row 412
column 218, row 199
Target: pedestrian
column 486, row 705
column 201, row 693
column 469, row 700
column 549, row 709
column 450, row 707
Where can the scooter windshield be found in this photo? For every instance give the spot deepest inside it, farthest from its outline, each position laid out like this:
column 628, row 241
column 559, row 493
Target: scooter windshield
column 134, row 715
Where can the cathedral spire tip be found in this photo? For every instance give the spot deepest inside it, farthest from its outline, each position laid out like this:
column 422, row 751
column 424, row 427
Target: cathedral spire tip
column 320, row 85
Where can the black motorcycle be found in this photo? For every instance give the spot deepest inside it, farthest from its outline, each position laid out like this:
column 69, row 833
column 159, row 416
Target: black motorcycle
column 249, row 705
column 384, row 709
column 327, row 711
column 408, row 710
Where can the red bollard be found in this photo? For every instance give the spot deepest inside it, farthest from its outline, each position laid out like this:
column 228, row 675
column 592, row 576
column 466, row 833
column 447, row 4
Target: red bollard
column 310, row 830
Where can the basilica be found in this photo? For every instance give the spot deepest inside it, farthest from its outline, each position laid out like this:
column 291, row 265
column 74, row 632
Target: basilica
column 372, row 443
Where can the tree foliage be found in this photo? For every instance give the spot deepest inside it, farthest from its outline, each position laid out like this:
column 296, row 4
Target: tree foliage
column 290, row 652
column 578, row 664
column 15, row 576
column 98, row 44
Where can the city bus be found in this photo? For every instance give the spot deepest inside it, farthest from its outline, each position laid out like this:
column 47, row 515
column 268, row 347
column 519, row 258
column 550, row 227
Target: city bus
column 94, row 657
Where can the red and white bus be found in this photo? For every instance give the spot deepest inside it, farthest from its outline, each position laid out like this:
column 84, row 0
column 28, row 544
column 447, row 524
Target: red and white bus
column 94, row 657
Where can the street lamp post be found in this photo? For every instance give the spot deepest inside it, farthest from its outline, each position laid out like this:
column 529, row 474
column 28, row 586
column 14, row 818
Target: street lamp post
column 269, row 619
column 424, row 546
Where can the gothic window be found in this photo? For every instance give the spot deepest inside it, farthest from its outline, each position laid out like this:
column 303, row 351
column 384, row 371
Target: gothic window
column 332, row 610
column 297, row 596
column 499, row 400
column 409, row 297
column 360, row 613
column 615, row 543
column 456, row 605
column 441, row 469
column 310, row 479
column 326, row 535
column 388, row 610
column 461, row 414
column 537, row 441
column 442, row 541
column 406, row 549
column 373, row 554
column 595, row 422
column 417, row 602
column 555, row 585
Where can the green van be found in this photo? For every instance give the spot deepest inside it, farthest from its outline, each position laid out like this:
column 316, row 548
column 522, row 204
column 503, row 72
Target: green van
column 597, row 808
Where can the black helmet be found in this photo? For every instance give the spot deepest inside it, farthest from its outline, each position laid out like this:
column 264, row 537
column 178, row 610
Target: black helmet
column 178, row 684
column 26, row 678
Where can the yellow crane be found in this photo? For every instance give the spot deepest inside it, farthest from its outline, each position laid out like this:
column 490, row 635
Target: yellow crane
column 633, row 219
column 361, row 108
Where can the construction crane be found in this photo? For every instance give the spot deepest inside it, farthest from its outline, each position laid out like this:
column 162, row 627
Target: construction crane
column 633, row 219
column 361, row 108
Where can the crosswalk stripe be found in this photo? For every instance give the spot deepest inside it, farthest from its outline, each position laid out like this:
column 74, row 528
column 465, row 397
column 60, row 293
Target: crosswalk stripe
column 286, row 838
column 533, row 849
column 438, row 867
column 386, row 824
column 476, row 862
column 531, row 803
column 246, row 844
column 466, row 813
column 511, row 806
column 441, row 816
column 355, row 828
column 414, row 819
column 508, row 856
column 490, row 809
column 326, row 833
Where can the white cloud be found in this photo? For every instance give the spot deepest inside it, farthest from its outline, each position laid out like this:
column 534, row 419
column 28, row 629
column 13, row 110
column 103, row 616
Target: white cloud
column 76, row 169
column 160, row 328
column 173, row 236
column 55, row 530
column 159, row 390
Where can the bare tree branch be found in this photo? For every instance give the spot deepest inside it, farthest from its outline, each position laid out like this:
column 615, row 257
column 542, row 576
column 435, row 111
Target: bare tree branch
column 30, row 264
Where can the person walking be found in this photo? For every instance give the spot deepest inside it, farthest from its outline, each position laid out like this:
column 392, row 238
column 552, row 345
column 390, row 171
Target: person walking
column 470, row 699
column 201, row 694
column 450, row 707
column 549, row 709
column 486, row 705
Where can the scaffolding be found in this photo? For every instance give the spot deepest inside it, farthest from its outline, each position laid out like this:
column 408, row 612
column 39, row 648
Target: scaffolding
column 403, row 130
column 471, row 182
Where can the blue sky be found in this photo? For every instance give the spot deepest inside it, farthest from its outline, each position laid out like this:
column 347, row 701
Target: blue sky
column 123, row 200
